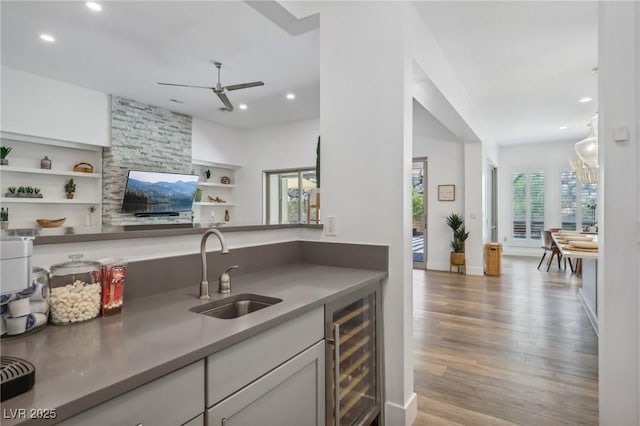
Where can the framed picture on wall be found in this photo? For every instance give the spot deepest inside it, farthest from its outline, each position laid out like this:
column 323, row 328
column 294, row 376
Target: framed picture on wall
column 446, row 192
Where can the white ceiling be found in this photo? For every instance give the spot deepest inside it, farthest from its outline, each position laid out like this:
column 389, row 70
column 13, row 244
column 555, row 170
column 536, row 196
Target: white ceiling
column 130, row 46
column 525, row 64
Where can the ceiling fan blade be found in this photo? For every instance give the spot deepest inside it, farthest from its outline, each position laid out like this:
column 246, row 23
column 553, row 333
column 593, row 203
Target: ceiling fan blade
column 225, row 100
column 187, row 85
column 244, row 85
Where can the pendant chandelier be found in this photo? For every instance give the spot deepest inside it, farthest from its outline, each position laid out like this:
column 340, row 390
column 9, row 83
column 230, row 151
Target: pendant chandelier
column 585, row 162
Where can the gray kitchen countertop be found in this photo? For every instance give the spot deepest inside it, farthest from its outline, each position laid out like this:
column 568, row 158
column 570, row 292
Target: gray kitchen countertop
column 82, row 365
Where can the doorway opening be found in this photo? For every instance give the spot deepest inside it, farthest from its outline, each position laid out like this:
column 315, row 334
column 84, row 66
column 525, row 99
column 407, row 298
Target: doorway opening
column 419, row 212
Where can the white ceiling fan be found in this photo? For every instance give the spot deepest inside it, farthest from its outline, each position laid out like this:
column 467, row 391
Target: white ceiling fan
column 220, row 90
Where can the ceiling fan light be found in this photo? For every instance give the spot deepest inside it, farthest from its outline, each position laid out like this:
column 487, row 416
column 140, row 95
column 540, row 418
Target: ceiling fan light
column 587, row 150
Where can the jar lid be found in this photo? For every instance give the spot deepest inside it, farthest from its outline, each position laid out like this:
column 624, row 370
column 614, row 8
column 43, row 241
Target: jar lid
column 36, row 270
column 75, row 265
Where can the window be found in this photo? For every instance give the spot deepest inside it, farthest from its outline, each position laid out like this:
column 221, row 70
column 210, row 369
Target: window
column 527, row 205
column 287, row 195
column 577, row 202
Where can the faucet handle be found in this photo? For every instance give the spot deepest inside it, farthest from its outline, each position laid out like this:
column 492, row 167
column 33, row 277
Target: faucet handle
column 230, row 268
column 224, row 283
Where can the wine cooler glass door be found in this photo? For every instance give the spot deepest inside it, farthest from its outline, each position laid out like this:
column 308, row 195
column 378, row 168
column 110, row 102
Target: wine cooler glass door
column 353, row 363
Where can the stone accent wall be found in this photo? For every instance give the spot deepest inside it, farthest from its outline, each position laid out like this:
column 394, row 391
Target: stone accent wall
column 143, row 137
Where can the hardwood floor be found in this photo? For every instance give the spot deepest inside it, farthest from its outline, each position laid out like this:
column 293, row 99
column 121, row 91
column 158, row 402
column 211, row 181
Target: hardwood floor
column 515, row 349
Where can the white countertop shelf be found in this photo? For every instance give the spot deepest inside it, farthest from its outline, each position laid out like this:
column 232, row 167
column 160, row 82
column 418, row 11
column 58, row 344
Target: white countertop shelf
column 217, row 185
column 49, row 172
column 215, row 164
column 208, row 203
column 16, row 200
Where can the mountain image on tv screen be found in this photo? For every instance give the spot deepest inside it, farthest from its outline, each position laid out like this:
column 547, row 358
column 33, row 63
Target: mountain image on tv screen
column 152, row 192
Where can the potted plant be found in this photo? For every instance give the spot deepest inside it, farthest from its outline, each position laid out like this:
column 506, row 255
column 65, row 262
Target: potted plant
column 4, row 151
column 460, row 235
column 70, row 188
column 417, row 203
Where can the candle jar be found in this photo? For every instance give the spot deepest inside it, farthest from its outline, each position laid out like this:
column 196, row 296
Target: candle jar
column 113, row 275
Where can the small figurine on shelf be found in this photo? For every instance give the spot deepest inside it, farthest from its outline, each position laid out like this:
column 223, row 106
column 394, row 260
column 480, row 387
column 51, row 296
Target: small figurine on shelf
column 45, row 163
column 4, row 151
column 208, row 174
column 227, row 218
column 70, row 188
column 198, row 197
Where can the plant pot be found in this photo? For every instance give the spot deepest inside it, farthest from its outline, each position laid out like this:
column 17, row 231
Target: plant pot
column 4, row 224
column 69, row 195
column 457, row 259
column 4, row 162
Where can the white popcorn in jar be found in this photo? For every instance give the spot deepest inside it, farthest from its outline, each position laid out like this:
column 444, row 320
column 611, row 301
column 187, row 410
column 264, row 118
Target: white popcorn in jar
column 74, row 302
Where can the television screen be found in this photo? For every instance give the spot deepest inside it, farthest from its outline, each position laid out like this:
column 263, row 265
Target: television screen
column 154, row 192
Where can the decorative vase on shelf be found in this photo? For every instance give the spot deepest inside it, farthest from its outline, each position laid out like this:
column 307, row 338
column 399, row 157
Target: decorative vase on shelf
column 227, row 218
column 198, row 196
column 45, row 163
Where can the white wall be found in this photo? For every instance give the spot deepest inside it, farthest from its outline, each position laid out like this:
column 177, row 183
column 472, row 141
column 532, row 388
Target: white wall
column 550, row 157
column 619, row 254
column 445, row 166
column 39, row 106
column 214, row 142
column 286, row 146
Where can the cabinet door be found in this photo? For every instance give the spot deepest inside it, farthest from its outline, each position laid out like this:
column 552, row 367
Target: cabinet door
column 169, row 400
column 290, row 395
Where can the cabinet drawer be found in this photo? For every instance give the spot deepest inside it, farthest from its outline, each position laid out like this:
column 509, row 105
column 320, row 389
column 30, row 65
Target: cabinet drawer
column 233, row 368
column 291, row 395
column 170, row 400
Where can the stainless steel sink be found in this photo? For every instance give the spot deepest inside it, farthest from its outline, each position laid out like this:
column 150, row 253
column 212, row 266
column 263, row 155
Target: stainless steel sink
column 235, row 306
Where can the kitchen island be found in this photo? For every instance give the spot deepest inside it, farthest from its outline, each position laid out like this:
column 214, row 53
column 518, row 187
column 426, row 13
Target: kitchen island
column 587, row 267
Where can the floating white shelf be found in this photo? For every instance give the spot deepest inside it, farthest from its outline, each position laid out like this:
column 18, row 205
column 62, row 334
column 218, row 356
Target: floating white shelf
column 216, row 185
column 206, row 203
column 16, row 200
column 214, row 164
column 49, row 172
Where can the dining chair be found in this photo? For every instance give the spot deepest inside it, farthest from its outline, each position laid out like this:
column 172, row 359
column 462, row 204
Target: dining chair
column 549, row 245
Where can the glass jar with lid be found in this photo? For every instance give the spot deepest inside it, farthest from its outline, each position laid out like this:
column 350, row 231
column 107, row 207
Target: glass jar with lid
column 75, row 291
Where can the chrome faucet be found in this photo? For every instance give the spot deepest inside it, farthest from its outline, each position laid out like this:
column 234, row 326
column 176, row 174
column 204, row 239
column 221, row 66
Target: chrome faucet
column 204, row 284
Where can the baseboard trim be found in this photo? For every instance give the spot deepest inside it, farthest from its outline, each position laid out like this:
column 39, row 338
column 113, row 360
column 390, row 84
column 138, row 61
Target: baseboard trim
column 396, row 415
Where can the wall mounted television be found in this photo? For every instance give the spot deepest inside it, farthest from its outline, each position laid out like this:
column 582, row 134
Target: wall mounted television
column 158, row 193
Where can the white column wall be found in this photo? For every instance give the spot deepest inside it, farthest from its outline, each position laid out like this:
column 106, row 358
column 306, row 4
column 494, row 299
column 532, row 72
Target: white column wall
column 474, row 187
column 618, row 275
column 365, row 105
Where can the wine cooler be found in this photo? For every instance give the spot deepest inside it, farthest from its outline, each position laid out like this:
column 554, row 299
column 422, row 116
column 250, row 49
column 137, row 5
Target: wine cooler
column 353, row 361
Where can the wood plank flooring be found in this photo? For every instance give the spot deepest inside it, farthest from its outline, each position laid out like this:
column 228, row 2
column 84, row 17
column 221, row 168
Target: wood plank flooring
column 515, row 349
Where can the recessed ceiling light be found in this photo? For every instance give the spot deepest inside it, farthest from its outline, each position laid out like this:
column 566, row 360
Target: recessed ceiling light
column 563, row 127
column 94, row 6
column 48, row 38
column 242, row 106
column 585, row 99
column 291, row 96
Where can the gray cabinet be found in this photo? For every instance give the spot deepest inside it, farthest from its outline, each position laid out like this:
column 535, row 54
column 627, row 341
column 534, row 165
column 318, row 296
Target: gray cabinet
column 290, row 395
column 174, row 399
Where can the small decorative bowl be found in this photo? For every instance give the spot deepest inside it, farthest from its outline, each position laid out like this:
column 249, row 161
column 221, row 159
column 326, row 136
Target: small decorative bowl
column 51, row 223
column 225, row 179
